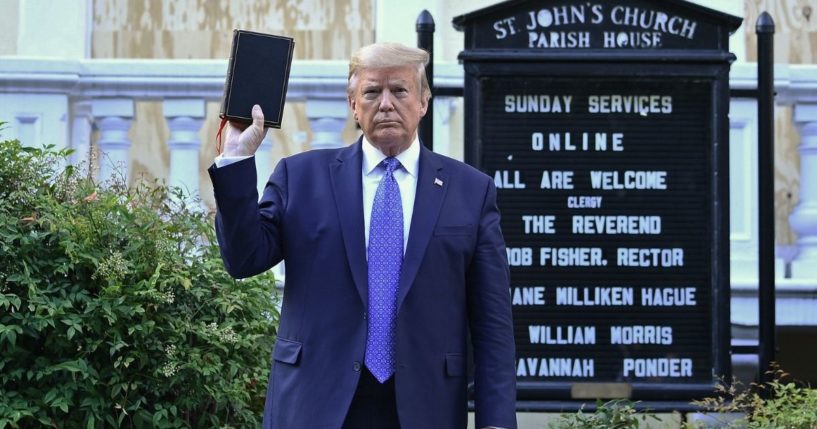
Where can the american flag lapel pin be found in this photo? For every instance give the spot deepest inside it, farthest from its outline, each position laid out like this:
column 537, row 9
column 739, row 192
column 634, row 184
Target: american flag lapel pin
column 438, row 182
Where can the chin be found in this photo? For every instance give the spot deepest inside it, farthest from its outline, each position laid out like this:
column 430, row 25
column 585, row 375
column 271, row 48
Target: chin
column 388, row 139
column 387, row 144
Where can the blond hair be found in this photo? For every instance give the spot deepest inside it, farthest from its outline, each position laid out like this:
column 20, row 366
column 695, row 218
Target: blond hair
column 389, row 55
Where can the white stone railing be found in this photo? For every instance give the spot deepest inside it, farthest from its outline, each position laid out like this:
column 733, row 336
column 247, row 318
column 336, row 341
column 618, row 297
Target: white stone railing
column 798, row 88
column 46, row 100
column 62, row 102
column 101, row 94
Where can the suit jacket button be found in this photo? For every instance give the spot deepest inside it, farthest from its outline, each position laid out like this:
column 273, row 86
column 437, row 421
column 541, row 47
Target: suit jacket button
column 356, row 366
column 365, row 315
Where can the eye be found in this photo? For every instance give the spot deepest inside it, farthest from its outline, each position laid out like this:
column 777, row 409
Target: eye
column 370, row 93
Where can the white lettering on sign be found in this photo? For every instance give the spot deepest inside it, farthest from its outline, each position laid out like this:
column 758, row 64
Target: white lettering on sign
column 658, row 367
column 556, row 180
column 583, row 202
column 519, row 256
column 638, row 334
column 598, row 142
column 641, row 180
column 571, row 257
column 632, row 39
column 538, row 224
column 650, row 257
column 555, row 367
column 614, row 296
column 556, row 335
column 638, row 104
column 541, row 103
column 559, row 39
column 531, row 295
column 507, row 179
column 637, row 27
column 564, row 15
column 668, row 297
column 504, row 27
column 649, row 19
column 617, row 225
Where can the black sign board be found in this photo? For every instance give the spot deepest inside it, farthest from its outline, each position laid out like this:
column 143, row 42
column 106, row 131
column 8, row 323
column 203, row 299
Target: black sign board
column 605, row 127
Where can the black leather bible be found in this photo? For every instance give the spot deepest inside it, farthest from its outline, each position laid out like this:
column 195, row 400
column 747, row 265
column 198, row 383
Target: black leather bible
column 258, row 73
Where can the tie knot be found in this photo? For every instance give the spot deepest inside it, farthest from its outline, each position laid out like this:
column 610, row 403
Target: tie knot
column 391, row 164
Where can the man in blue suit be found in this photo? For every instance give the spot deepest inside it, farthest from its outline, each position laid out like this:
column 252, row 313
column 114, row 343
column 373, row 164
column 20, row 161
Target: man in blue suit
column 394, row 255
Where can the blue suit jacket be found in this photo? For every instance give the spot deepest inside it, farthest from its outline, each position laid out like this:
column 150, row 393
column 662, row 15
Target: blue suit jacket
column 454, row 278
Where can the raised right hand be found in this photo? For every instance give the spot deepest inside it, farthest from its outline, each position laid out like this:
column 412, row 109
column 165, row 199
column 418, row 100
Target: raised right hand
column 243, row 139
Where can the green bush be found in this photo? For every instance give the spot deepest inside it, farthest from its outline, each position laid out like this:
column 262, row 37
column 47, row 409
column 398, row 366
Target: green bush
column 115, row 309
column 779, row 403
column 615, row 414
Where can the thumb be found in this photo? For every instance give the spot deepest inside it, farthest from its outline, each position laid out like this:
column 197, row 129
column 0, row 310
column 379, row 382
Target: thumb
column 257, row 117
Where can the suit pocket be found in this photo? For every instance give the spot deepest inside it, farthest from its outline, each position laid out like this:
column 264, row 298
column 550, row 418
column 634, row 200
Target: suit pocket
column 453, row 230
column 454, row 365
column 287, row 351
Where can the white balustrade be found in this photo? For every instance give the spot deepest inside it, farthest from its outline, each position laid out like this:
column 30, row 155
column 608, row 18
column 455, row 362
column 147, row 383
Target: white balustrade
column 113, row 117
column 327, row 117
column 82, row 123
column 803, row 219
column 443, row 109
column 184, row 120
column 743, row 206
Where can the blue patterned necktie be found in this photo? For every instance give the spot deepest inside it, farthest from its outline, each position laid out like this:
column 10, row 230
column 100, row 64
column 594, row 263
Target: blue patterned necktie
column 385, row 258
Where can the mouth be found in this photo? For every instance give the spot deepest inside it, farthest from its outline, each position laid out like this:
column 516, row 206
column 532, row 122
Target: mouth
column 387, row 122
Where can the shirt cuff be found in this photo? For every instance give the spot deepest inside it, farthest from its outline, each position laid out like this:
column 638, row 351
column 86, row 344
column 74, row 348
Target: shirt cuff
column 223, row 161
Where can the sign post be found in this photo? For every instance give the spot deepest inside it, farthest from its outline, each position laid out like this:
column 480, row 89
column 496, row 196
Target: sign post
column 605, row 128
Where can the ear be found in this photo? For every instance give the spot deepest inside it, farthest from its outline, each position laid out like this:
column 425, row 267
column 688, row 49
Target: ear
column 424, row 105
column 352, row 104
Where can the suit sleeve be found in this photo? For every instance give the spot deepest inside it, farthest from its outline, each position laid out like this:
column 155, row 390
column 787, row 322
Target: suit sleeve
column 491, row 322
column 250, row 233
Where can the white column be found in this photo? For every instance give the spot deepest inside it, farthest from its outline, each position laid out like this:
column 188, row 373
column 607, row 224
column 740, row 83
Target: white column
column 803, row 219
column 81, row 127
column 743, row 208
column 443, row 109
column 113, row 118
column 263, row 162
column 184, row 119
column 327, row 117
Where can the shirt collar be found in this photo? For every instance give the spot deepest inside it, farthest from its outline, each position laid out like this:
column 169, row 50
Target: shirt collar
column 409, row 158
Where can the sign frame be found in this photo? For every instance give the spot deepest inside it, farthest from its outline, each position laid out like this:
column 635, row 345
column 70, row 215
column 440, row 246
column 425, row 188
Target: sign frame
column 710, row 65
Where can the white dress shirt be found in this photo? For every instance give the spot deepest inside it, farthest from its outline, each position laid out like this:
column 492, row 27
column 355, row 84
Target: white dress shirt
column 406, row 178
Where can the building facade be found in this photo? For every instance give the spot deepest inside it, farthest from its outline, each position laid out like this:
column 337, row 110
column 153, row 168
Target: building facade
column 134, row 87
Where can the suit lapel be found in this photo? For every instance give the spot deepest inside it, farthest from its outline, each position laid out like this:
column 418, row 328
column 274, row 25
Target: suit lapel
column 431, row 188
column 345, row 173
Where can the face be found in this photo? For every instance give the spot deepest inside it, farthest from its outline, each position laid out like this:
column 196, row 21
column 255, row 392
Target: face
column 388, row 105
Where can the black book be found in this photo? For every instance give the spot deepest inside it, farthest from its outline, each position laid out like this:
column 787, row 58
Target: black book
column 258, row 73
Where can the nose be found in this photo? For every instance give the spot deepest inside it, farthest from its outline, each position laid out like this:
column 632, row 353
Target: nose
column 386, row 103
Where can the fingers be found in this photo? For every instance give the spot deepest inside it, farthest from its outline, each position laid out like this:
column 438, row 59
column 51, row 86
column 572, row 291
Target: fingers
column 244, row 139
column 257, row 117
column 257, row 120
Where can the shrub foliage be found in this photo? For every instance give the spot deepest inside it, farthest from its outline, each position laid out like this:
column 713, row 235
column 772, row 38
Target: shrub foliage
column 778, row 403
column 614, row 414
column 115, row 309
